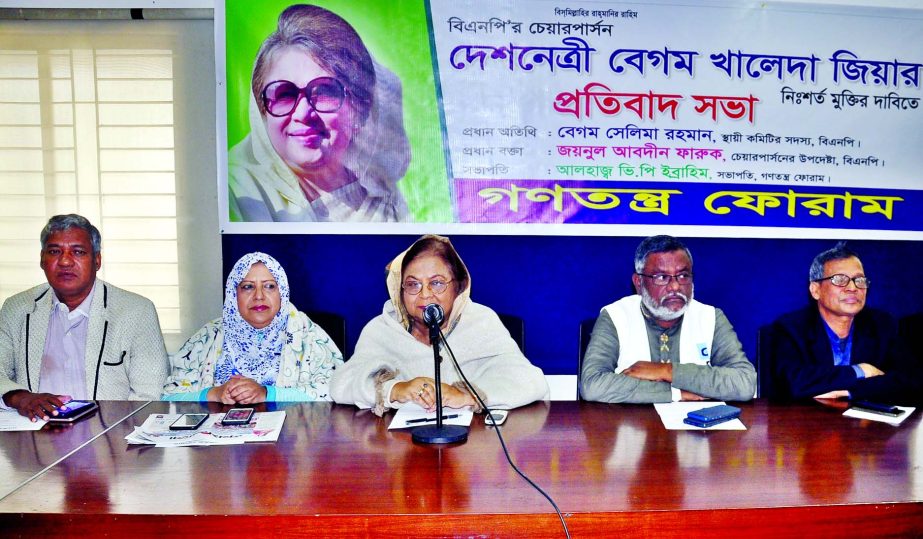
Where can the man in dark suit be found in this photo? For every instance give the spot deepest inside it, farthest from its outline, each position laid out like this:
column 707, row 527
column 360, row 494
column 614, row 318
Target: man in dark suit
column 838, row 348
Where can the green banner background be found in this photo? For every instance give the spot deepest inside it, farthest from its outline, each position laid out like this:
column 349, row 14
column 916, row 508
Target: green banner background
column 397, row 34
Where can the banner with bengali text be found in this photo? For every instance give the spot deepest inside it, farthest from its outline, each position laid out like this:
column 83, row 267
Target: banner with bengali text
column 540, row 117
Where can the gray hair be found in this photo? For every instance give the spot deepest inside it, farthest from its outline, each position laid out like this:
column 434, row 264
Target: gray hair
column 60, row 223
column 838, row 252
column 331, row 42
column 658, row 244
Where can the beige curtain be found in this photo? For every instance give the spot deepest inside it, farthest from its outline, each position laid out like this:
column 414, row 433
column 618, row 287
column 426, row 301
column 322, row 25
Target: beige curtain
column 114, row 120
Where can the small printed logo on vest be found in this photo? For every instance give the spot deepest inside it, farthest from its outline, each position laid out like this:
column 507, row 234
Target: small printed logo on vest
column 703, row 351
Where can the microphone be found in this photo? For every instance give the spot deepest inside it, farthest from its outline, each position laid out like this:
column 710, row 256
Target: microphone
column 433, row 315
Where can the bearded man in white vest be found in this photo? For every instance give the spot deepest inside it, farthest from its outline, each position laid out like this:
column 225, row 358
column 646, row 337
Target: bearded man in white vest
column 660, row 345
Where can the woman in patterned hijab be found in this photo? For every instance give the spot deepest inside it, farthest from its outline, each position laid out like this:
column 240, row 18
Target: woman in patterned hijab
column 261, row 349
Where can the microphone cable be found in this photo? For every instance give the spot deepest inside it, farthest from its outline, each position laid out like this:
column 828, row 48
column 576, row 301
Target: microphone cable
column 497, row 430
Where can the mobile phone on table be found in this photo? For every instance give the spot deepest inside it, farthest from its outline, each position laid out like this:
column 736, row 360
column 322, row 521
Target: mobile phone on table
column 877, row 408
column 72, row 411
column 495, row 418
column 189, row 422
column 711, row 416
column 237, row 416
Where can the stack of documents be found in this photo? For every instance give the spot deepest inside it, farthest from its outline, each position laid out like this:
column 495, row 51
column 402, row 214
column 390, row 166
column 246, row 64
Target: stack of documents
column 860, row 414
column 12, row 421
column 265, row 427
column 413, row 415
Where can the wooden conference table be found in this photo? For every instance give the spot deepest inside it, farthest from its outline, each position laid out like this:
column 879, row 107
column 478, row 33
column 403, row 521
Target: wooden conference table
column 799, row 470
column 29, row 453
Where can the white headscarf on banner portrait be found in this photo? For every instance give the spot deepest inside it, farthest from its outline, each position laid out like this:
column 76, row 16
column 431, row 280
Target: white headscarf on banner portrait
column 263, row 187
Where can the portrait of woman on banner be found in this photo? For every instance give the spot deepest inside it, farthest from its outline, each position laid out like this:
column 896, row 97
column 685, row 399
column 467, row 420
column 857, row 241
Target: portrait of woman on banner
column 327, row 139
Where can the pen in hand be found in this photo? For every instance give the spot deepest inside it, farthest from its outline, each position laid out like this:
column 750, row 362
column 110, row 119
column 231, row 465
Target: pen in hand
column 429, row 419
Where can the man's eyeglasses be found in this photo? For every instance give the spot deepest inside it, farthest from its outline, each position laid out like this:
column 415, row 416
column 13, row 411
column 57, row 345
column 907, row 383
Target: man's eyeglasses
column 663, row 279
column 324, row 94
column 840, row 279
column 437, row 286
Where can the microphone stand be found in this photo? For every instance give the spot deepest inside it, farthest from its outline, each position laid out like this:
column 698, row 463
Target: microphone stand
column 438, row 433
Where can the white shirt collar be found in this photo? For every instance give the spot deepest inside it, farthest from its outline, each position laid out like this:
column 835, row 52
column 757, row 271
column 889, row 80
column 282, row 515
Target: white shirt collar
column 82, row 310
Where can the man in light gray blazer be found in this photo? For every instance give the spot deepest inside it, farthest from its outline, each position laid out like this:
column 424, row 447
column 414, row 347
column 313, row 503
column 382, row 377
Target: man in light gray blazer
column 77, row 336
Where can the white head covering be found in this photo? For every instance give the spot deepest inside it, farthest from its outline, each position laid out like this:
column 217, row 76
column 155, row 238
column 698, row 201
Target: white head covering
column 394, row 280
column 248, row 351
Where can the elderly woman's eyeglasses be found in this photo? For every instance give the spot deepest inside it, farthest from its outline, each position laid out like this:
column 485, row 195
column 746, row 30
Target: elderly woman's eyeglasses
column 437, row 286
column 324, row 94
column 663, row 279
column 842, row 280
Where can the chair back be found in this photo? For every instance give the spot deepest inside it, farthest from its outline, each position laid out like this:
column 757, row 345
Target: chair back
column 586, row 331
column 763, row 362
column 517, row 329
column 912, row 326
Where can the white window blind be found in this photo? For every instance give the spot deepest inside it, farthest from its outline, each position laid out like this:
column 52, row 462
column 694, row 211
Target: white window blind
column 88, row 125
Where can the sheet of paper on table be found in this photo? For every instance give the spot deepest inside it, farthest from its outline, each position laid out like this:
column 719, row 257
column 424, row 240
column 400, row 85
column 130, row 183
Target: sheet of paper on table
column 413, row 415
column 10, row 420
column 673, row 413
column 859, row 414
column 265, row 427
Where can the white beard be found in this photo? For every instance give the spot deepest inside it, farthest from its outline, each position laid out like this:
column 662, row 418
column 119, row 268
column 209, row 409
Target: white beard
column 664, row 313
